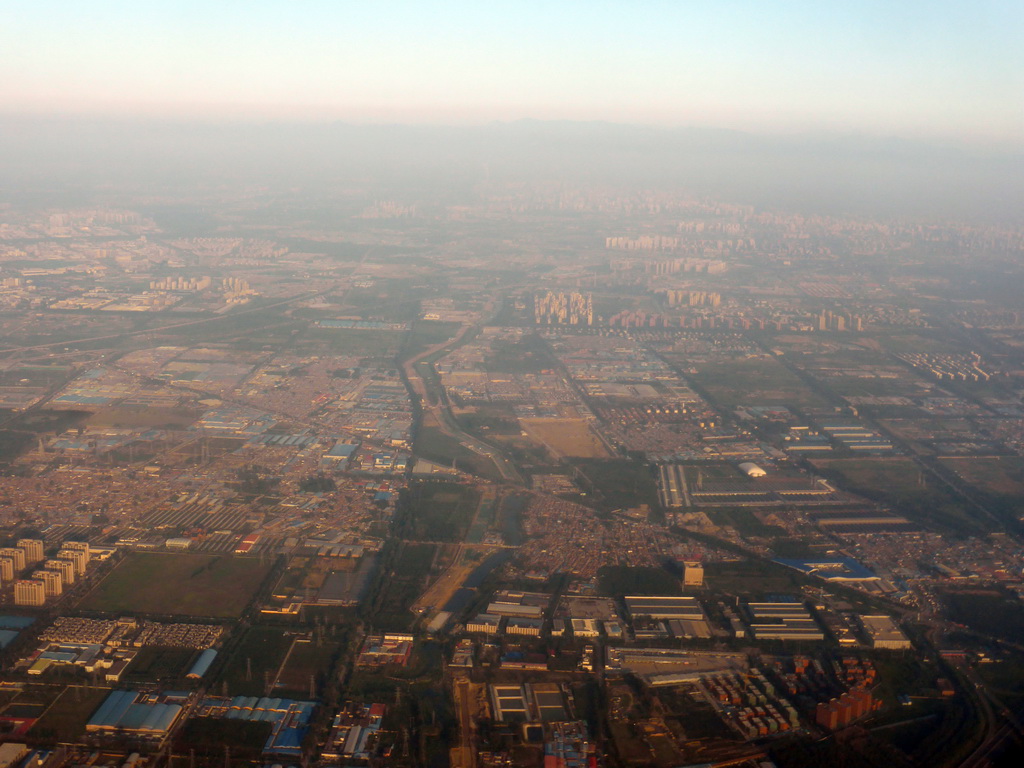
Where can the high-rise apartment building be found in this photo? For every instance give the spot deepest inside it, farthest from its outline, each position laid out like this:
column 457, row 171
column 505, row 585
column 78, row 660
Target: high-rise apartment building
column 33, row 549
column 29, row 592
column 52, row 580
column 15, row 554
column 65, row 568
column 77, row 556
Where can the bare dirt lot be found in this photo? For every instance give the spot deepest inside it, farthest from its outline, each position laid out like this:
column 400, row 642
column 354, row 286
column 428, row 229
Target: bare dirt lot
column 566, row 437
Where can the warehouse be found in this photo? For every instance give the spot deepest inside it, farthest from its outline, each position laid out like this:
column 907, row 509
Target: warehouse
column 134, row 713
column 664, row 607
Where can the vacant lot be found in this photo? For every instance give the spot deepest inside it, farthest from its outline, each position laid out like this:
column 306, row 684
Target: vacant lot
column 901, row 484
column 619, row 580
column 750, row 578
column 65, row 719
column 617, row 483
column 359, row 342
column 156, row 664
column 255, row 661
column 992, row 612
column 566, row 437
column 757, row 380
column 436, row 445
column 997, row 475
column 144, row 417
column 440, row 511
column 208, row 586
column 402, row 581
column 306, row 659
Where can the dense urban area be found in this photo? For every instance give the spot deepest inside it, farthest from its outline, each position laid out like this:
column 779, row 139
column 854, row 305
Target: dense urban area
column 522, row 475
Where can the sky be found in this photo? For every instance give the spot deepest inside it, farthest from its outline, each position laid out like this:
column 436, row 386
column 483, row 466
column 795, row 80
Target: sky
column 939, row 69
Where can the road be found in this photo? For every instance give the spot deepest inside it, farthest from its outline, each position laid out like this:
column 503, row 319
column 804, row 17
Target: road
column 994, row 713
column 466, row 753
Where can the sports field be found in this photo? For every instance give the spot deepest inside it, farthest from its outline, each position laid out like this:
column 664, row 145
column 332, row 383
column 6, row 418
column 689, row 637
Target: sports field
column 208, row 586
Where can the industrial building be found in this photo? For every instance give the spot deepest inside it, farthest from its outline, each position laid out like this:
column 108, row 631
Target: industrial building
column 584, row 627
column 693, row 574
column 782, row 621
column 831, row 569
column 487, row 623
column 519, row 611
column 134, row 713
column 388, row 648
column 290, row 719
column 202, row 664
column 352, row 732
column 680, row 607
column 884, row 633
column 529, row 627
column 85, row 655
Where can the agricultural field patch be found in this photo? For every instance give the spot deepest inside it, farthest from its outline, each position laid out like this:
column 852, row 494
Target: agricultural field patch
column 208, row 586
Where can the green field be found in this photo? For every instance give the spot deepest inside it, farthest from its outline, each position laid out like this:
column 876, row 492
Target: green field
column 617, row 483
column 619, row 580
column 254, row 662
column 434, row 445
column 999, row 482
column 991, row 612
column 529, row 355
column 744, row 521
column 440, row 511
column 65, row 719
column 205, row 738
column 403, row 577
column 155, row 664
column 206, row 586
column 306, row 659
column 750, row 578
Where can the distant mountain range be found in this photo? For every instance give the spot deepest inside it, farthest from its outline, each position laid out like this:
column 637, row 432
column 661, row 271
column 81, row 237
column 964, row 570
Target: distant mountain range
column 810, row 172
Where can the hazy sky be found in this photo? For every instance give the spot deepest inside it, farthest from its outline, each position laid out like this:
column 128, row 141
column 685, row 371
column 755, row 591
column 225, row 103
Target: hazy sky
column 898, row 67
